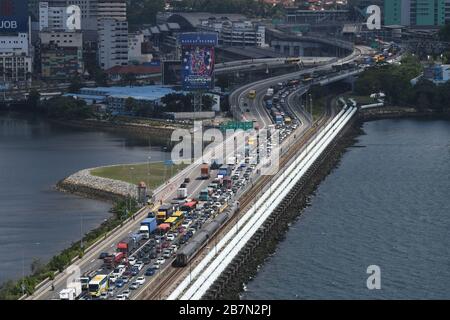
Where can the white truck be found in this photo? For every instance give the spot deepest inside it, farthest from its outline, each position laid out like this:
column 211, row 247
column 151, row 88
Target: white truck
column 182, row 193
column 231, row 161
column 72, row 292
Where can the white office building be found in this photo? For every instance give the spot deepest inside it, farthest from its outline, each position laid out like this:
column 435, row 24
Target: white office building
column 15, row 58
column 112, row 9
column 236, row 33
column 112, row 43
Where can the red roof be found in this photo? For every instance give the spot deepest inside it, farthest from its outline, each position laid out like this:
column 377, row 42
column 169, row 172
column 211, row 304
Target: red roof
column 134, row 69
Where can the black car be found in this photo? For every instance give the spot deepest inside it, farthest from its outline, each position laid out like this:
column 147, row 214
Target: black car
column 147, row 260
column 103, row 255
column 187, row 180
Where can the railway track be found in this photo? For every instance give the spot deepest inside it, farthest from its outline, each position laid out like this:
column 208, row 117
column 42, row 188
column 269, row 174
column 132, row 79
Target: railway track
column 172, row 274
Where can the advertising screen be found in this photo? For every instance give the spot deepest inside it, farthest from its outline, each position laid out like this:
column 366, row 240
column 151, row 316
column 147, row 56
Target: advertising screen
column 198, row 60
column 13, row 16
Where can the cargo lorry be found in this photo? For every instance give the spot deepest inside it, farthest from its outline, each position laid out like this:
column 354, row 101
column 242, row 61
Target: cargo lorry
column 182, row 193
column 148, row 226
column 127, row 245
column 224, row 171
column 72, row 292
column 204, row 172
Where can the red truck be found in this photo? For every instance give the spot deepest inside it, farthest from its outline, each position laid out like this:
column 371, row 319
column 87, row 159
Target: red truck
column 204, row 171
column 113, row 260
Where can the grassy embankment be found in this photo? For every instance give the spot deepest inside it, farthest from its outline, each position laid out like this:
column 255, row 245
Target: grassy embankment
column 153, row 174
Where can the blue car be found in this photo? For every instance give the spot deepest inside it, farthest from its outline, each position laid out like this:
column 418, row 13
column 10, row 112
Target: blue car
column 149, row 272
column 119, row 283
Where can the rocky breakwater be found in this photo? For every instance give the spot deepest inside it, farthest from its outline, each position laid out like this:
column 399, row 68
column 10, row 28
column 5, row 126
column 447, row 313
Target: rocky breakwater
column 83, row 183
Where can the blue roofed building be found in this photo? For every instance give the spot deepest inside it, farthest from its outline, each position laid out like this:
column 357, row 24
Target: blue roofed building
column 115, row 97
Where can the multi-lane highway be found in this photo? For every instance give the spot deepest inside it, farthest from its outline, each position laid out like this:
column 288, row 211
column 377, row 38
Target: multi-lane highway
column 257, row 112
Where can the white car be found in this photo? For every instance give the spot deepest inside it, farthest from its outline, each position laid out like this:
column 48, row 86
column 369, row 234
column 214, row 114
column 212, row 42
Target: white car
column 126, row 294
column 131, row 261
column 160, row 260
column 155, row 266
column 134, row 285
column 167, row 253
column 121, row 297
column 174, row 248
column 139, row 266
column 140, row 280
column 113, row 278
column 104, row 295
column 170, row 237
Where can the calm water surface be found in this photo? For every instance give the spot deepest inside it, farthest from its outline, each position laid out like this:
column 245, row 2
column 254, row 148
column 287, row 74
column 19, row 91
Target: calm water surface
column 35, row 220
column 387, row 204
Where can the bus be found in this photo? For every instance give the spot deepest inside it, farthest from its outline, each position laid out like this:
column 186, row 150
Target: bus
column 179, row 214
column 164, row 212
column 252, row 94
column 98, row 285
column 174, row 223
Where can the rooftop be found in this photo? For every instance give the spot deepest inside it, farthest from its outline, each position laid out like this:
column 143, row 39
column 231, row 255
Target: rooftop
column 139, row 93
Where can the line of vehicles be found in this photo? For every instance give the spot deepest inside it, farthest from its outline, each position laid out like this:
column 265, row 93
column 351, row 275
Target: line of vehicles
column 156, row 243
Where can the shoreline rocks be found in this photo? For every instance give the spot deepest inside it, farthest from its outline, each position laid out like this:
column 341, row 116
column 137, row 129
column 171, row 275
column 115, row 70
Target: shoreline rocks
column 83, row 183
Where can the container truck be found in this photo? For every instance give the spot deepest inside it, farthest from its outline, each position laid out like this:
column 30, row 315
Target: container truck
column 113, row 260
column 231, row 161
column 148, row 226
column 181, row 193
column 204, row 172
column 204, row 195
column 224, row 171
column 126, row 246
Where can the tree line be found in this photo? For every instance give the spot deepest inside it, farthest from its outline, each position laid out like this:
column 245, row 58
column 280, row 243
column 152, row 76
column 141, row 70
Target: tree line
column 395, row 82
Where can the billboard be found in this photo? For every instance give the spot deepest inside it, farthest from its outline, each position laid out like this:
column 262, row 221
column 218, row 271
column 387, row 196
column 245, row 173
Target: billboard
column 198, row 60
column 171, row 73
column 13, row 16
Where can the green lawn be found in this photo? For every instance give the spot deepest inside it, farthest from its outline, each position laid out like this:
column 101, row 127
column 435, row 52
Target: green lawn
column 361, row 100
column 153, row 174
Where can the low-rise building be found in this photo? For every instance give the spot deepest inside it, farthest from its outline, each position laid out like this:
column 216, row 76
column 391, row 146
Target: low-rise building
column 115, row 97
column 61, row 54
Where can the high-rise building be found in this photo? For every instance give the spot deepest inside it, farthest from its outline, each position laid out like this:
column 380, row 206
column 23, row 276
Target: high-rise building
column 112, row 33
column 53, row 15
column 112, row 9
column 420, row 13
column 113, row 43
column 447, row 11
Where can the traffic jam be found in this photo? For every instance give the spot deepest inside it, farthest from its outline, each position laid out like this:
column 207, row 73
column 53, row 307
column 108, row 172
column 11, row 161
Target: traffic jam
column 176, row 231
column 167, row 232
